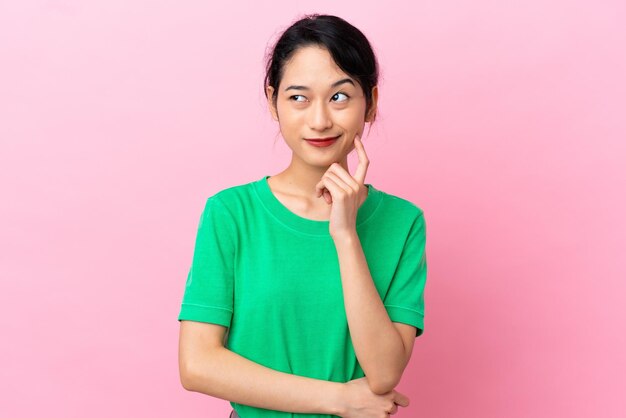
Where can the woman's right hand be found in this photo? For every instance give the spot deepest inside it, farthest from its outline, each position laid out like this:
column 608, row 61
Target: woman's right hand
column 361, row 402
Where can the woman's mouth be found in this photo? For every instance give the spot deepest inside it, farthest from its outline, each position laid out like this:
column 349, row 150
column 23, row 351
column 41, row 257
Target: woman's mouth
column 322, row 142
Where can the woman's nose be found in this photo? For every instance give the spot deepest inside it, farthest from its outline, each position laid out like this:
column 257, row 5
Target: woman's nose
column 319, row 118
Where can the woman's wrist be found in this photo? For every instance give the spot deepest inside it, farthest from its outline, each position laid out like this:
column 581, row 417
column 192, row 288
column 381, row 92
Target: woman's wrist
column 337, row 399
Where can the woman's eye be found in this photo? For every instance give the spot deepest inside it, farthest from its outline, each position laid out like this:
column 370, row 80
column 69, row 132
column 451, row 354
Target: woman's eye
column 343, row 94
column 296, row 95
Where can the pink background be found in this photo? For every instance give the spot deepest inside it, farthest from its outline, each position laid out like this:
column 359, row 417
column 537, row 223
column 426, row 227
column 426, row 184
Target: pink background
column 504, row 121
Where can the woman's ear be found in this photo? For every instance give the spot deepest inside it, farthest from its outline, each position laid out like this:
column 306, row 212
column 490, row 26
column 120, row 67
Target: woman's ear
column 371, row 113
column 270, row 102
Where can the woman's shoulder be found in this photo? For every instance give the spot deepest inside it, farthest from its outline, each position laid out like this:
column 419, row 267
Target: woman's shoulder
column 235, row 196
column 399, row 205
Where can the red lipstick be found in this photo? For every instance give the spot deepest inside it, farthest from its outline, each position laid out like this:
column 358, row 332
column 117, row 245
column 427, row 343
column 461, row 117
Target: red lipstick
column 322, row 142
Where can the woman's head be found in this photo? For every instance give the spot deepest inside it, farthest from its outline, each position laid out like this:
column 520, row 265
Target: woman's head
column 302, row 72
column 347, row 45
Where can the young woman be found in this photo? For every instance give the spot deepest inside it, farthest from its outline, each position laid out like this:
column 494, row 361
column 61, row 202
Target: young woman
column 306, row 289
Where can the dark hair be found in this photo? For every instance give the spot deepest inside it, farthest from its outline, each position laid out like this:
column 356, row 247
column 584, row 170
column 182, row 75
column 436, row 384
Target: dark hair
column 347, row 45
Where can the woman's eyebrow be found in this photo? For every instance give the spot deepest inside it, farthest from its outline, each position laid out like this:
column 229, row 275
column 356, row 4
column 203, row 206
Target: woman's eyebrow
column 335, row 84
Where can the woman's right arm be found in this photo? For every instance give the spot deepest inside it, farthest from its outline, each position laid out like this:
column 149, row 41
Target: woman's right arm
column 206, row 366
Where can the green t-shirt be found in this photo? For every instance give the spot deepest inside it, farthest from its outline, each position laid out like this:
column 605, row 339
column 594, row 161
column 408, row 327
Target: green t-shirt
column 272, row 277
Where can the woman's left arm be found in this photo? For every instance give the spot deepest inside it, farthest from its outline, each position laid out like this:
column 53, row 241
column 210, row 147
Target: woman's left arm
column 382, row 347
column 378, row 344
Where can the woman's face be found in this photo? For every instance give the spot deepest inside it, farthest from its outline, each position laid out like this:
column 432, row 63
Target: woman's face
column 316, row 99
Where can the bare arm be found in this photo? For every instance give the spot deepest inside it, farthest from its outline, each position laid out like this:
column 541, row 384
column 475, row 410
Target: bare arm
column 206, row 366
column 378, row 344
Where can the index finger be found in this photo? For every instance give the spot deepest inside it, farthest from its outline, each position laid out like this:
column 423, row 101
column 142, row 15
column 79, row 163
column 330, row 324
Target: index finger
column 401, row 399
column 361, row 169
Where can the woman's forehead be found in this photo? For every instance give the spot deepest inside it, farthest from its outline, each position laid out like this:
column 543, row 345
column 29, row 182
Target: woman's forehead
column 313, row 67
column 312, row 61
column 346, row 81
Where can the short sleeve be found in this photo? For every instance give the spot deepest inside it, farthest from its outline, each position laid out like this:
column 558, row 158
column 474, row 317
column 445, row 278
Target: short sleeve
column 208, row 295
column 404, row 300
